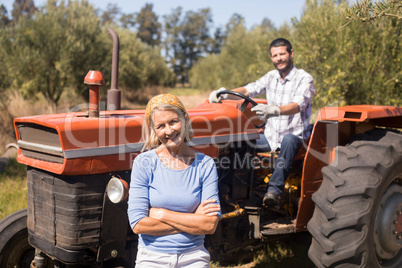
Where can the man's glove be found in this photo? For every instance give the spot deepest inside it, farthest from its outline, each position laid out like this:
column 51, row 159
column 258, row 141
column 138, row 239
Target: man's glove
column 213, row 98
column 265, row 111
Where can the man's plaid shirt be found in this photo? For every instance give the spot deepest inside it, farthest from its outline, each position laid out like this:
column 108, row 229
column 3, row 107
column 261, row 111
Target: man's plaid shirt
column 298, row 87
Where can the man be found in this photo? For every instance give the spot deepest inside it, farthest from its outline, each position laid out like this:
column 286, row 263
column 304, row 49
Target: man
column 289, row 92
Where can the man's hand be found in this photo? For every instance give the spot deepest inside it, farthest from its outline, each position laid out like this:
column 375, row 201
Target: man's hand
column 265, row 111
column 213, row 98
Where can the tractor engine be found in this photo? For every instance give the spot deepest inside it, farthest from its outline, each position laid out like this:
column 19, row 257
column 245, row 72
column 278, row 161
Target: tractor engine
column 72, row 220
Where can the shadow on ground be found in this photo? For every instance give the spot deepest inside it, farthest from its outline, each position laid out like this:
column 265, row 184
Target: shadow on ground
column 289, row 251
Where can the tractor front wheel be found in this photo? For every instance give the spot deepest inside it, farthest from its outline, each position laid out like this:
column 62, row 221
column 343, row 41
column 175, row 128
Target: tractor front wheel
column 357, row 221
column 15, row 251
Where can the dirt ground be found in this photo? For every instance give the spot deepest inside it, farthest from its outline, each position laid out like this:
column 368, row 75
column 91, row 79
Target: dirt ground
column 191, row 101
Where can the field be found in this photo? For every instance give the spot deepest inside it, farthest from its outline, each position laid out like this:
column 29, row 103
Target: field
column 289, row 252
column 13, row 189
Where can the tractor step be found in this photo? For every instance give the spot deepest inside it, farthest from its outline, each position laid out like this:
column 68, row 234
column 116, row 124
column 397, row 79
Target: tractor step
column 279, row 226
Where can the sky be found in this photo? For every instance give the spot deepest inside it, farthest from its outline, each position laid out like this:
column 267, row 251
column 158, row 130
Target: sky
column 254, row 11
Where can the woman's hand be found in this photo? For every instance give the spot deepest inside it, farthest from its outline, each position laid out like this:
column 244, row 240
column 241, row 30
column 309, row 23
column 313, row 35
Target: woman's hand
column 208, row 207
column 197, row 223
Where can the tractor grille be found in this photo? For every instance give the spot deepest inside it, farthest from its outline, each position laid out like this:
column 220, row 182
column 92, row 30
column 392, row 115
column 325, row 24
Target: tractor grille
column 64, row 213
column 40, row 142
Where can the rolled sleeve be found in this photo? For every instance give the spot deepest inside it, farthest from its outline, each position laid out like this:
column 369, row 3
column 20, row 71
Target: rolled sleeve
column 304, row 93
column 258, row 87
column 138, row 200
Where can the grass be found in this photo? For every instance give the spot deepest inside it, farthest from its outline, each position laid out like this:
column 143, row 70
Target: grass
column 13, row 188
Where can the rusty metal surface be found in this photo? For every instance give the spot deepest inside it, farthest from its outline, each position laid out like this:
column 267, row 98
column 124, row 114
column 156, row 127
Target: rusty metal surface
column 94, row 101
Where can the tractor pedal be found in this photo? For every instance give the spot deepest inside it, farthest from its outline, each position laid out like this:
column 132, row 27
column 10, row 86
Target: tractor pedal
column 279, row 226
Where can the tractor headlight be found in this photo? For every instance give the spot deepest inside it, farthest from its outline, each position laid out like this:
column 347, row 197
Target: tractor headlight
column 117, row 190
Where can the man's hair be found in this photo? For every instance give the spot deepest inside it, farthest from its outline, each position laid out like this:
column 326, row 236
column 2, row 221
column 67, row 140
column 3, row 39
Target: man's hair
column 279, row 43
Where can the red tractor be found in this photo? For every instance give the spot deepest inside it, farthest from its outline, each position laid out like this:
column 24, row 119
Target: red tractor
column 345, row 187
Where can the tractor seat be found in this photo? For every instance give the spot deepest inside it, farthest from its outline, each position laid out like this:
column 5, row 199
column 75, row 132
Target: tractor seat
column 267, row 159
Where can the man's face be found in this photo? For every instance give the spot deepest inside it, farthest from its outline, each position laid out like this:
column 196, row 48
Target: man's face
column 282, row 60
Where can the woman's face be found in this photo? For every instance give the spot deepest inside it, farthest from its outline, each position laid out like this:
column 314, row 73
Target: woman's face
column 169, row 128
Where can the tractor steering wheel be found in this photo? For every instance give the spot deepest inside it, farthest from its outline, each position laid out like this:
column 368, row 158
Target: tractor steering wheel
column 245, row 103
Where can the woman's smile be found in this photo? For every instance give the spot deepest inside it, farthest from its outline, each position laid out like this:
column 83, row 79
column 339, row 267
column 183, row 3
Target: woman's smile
column 168, row 128
column 172, row 138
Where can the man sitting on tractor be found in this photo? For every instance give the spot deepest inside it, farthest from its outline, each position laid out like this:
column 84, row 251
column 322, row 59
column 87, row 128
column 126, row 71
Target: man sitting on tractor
column 289, row 92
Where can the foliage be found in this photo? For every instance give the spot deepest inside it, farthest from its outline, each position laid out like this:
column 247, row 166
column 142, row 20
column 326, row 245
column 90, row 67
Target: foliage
column 320, row 49
column 368, row 11
column 234, row 21
column 149, row 29
column 110, row 15
column 243, row 58
column 4, row 20
column 52, row 53
column 187, row 39
column 127, row 20
column 23, row 8
column 360, row 64
column 140, row 65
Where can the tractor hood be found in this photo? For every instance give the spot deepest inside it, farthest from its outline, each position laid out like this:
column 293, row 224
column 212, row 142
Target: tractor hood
column 73, row 143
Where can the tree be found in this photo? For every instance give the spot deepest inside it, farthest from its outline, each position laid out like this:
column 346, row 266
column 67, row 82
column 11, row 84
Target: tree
column 267, row 25
column 141, row 65
column 149, row 29
column 127, row 20
column 4, row 20
column 172, row 23
column 217, row 41
column 234, row 21
column 195, row 35
column 54, row 51
column 244, row 57
column 368, row 11
column 24, row 8
column 110, row 14
column 187, row 39
column 51, row 54
column 361, row 64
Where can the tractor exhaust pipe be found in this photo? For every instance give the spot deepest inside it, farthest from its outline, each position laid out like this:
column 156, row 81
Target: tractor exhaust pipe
column 94, row 79
column 114, row 94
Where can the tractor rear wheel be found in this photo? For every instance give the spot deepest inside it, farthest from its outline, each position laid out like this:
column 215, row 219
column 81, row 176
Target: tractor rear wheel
column 357, row 221
column 15, row 251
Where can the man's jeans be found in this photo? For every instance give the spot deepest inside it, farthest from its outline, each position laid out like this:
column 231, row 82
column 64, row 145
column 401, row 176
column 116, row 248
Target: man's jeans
column 289, row 147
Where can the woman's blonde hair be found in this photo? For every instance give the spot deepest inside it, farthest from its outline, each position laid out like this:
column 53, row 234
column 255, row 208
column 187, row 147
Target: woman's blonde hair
column 148, row 133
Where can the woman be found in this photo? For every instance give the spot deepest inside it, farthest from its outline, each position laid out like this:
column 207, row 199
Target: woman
column 173, row 199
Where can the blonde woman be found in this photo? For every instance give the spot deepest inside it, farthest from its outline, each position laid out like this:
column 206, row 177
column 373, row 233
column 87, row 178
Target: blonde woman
column 173, row 199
